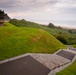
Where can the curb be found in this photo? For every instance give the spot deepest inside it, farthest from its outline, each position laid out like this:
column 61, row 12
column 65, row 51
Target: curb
column 13, row 58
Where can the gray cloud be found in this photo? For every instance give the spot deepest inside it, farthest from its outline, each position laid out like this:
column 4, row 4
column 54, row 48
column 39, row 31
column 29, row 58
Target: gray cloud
column 30, row 4
column 27, row 4
column 36, row 10
column 7, row 4
column 70, row 10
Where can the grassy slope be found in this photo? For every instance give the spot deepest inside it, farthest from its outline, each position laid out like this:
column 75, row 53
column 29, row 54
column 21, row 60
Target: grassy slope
column 71, row 70
column 19, row 40
column 61, row 34
column 67, row 37
column 74, row 46
column 55, row 31
column 24, row 23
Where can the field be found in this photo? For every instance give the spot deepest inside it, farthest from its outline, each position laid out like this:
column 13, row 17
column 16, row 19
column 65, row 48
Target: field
column 20, row 40
column 71, row 70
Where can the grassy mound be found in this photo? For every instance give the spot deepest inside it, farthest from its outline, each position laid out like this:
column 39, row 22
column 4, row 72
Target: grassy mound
column 19, row 40
column 71, row 70
column 66, row 36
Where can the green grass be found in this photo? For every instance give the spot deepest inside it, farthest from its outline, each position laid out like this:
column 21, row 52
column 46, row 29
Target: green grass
column 20, row 40
column 71, row 70
column 74, row 46
column 55, row 31
column 24, row 23
column 64, row 35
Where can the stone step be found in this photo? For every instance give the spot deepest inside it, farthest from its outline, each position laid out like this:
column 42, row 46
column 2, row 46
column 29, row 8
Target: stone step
column 71, row 48
column 51, row 61
column 72, row 51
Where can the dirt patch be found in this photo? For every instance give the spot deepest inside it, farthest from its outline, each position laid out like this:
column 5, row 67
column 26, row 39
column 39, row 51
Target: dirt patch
column 36, row 38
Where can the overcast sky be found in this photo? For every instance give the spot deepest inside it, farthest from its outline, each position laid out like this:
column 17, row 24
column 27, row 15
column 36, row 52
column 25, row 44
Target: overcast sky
column 41, row 11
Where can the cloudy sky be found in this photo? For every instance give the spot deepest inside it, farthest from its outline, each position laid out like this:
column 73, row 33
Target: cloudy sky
column 59, row 12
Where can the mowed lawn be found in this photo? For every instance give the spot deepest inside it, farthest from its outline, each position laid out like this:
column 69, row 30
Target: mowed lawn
column 20, row 40
column 71, row 70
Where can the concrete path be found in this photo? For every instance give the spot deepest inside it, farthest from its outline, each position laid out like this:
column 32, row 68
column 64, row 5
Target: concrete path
column 53, row 72
column 52, row 61
column 57, row 61
column 49, row 62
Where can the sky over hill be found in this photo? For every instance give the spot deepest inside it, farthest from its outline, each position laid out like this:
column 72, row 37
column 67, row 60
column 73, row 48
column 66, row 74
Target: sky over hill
column 42, row 11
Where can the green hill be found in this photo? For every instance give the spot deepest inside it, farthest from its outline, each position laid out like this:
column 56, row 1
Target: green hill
column 24, row 23
column 66, row 36
column 19, row 40
column 62, row 35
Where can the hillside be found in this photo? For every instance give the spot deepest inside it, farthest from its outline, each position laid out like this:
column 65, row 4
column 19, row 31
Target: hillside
column 66, row 36
column 24, row 23
column 19, row 40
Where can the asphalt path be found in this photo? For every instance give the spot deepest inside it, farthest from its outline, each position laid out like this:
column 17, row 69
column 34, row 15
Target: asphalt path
column 24, row 66
column 66, row 54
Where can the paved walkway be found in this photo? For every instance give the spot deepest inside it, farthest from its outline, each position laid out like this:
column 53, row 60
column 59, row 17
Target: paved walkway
column 38, row 64
column 23, row 66
column 52, row 61
column 66, row 54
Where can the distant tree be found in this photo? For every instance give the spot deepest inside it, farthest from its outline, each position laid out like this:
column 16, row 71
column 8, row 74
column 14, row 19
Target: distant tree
column 2, row 15
column 6, row 17
column 70, row 31
column 60, row 32
column 23, row 20
column 59, row 27
column 62, row 38
column 51, row 25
